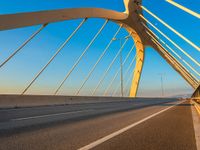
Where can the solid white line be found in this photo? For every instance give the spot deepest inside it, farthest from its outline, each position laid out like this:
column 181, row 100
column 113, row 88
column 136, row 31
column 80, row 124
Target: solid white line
column 50, row 115
column 101, row 140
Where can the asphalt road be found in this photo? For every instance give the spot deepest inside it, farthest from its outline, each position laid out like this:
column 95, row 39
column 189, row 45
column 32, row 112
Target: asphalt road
column 141, row 124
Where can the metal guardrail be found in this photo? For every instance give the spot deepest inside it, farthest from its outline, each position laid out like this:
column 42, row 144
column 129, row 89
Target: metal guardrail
column 196, row 103
column 196, row 93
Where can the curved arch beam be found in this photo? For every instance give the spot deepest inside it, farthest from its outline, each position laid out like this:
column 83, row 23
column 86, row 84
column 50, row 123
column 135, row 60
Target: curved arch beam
column 139, row 60
column 12, row 21
column 130, row 19
column 18, row 20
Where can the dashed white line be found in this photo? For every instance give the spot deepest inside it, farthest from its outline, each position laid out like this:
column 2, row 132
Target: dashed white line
column 50, row 115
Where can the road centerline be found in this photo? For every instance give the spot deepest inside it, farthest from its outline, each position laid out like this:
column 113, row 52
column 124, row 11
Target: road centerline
column 50, row 115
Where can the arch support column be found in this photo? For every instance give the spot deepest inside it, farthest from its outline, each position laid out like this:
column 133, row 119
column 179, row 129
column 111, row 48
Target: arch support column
column 138, row 67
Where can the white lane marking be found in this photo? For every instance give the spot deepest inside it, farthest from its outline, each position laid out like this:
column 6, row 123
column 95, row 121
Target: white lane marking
column 101, row 140
column 50, row 115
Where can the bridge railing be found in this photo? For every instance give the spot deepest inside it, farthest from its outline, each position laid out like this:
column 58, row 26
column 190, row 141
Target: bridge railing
column 196, row 99
column 196, row 95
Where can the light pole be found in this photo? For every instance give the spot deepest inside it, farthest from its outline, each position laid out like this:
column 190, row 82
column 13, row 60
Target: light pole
column 121, row 63
column 161, row 80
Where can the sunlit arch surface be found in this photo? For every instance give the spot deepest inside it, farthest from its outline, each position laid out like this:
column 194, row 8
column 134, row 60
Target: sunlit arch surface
column 131, row 20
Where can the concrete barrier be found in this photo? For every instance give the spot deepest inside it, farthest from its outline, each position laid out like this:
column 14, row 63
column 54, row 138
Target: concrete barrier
column 14, row 101
column 11, row 101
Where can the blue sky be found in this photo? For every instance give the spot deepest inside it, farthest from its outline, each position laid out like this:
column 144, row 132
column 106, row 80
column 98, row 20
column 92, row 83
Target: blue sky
column 18, row 72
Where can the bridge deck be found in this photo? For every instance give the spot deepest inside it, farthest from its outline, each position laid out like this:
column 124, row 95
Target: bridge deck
column 69, row 127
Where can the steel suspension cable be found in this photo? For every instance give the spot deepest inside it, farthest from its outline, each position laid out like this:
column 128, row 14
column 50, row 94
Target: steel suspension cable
column 184, row 69
column 109, row 67
column 172, row 29
column 55, row 54
column 195, row 82
column 178, row 47
column 172, row 57
column 79, row 59
column 184, row 61
column 24, row 44
column 125, row 74
column 194, row 70
column 126, row 84
column 99, row 59
column 184, row 9
column 107, row 89
column 169, row 53
column 172, row 51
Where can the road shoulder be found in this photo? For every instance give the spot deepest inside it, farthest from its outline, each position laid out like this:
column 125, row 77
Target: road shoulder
column 196, row 122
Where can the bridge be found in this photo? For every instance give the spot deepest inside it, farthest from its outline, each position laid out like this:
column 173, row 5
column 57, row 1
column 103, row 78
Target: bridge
column 93, row 102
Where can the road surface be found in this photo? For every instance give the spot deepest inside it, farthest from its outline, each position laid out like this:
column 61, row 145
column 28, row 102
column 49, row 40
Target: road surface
column 139, row 125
